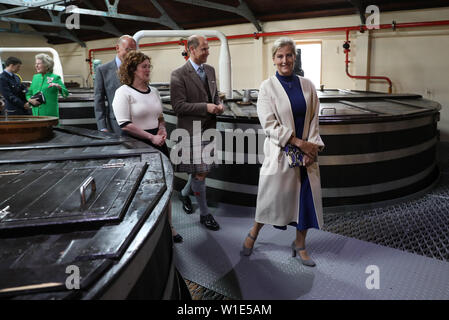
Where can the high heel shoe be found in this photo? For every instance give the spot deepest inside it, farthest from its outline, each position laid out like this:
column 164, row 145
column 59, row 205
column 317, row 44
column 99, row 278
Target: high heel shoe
column 247, row 251
column 309, row 263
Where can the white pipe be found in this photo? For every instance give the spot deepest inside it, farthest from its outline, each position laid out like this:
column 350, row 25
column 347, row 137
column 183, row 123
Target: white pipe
column 224, row 59
column 57, row 69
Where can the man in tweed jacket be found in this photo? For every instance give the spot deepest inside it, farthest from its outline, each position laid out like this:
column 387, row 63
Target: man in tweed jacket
column 194, row 97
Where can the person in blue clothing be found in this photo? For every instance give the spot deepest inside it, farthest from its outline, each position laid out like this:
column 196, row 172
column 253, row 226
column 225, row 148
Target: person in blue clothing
column 13, row 90
column 287, row 108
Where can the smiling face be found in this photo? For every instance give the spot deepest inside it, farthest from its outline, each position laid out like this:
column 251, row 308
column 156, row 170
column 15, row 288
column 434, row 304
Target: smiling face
column 284, row 60
column 142, row 73
column 40, row 67
column 201, row 52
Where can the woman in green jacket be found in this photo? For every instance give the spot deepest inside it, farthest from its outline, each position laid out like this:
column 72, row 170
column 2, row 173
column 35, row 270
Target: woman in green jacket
column 49, row 84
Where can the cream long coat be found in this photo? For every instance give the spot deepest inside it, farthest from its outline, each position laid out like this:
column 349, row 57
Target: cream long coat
column 280, row 185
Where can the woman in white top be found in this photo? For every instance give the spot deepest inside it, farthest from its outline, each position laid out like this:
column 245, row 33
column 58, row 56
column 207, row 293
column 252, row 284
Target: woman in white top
column 138, row 107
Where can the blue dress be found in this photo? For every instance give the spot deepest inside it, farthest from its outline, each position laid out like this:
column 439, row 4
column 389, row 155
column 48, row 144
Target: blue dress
column 307, row 216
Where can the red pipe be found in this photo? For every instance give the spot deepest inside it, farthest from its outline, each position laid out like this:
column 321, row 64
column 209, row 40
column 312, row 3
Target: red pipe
column 390, row 87
column 256, row 35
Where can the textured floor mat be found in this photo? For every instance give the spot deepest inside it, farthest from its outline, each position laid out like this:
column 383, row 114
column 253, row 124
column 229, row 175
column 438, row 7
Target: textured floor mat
column 213, row 260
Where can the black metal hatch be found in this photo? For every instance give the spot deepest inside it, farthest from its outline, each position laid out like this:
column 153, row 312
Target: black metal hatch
column 46, row 197
column 79, row 199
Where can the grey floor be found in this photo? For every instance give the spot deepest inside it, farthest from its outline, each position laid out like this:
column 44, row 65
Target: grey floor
column 213, row 260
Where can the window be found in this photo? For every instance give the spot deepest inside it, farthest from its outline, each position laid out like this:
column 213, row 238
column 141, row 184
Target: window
column 311, row 61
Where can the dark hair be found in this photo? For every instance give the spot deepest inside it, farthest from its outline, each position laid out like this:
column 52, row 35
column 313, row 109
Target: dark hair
column 129, row 66
column 13, row 61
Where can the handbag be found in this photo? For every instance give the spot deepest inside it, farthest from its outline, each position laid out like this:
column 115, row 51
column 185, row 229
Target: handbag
column 39, row 97
column 295, row 156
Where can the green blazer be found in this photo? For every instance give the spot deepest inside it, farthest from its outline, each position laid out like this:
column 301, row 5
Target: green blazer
column 40, row 83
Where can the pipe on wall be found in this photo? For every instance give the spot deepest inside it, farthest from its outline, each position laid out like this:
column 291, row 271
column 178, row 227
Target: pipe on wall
column 347, row 50
column 256, row 35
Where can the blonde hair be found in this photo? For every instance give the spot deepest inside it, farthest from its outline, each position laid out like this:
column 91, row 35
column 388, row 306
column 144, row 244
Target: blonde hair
column 282, row 42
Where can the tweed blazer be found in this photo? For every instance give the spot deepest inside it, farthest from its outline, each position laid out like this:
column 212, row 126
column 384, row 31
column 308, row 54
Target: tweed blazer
column 189, row 97
column 106, row 83
column 279, row 185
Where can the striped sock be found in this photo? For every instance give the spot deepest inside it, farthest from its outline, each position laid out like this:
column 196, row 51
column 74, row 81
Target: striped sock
column 199, row 190
column 186, row 190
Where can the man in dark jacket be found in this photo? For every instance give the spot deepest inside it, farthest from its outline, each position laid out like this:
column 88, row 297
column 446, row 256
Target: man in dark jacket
column 13, row 90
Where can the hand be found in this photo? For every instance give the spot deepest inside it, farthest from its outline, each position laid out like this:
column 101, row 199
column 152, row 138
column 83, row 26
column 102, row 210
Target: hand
column 211, row 108
column 162, row 132
column 214, row 109
column 308, row 160
column 309, row 149
column 27, row 106
column 158, row 140
column 34, row 102
column 220, row 108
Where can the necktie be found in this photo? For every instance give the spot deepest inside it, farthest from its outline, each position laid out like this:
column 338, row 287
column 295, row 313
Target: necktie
column 202, row 74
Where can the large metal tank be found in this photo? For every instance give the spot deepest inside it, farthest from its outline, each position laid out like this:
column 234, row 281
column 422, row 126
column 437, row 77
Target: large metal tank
column 378, row 147
column 78, row 109
column 86, row 205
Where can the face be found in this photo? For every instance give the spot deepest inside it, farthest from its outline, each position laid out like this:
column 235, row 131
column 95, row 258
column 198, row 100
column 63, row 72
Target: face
column 124, row 47
column 15, row 68
column 40, row 68
column 284, row 60
column 142, row 72
column 199, row 54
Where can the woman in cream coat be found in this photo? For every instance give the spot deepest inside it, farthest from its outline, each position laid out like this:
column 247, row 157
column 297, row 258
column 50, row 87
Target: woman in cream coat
column 288, row 108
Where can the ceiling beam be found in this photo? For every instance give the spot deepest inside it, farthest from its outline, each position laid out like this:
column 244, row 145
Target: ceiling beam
column 108, row 26
column 56, row 19
column 50, row 24
column 112, row 13
column 164, row 16
column 69, row 34
column 242, row 10
column 15, row 23
column 360, row 5
column 25, row 6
